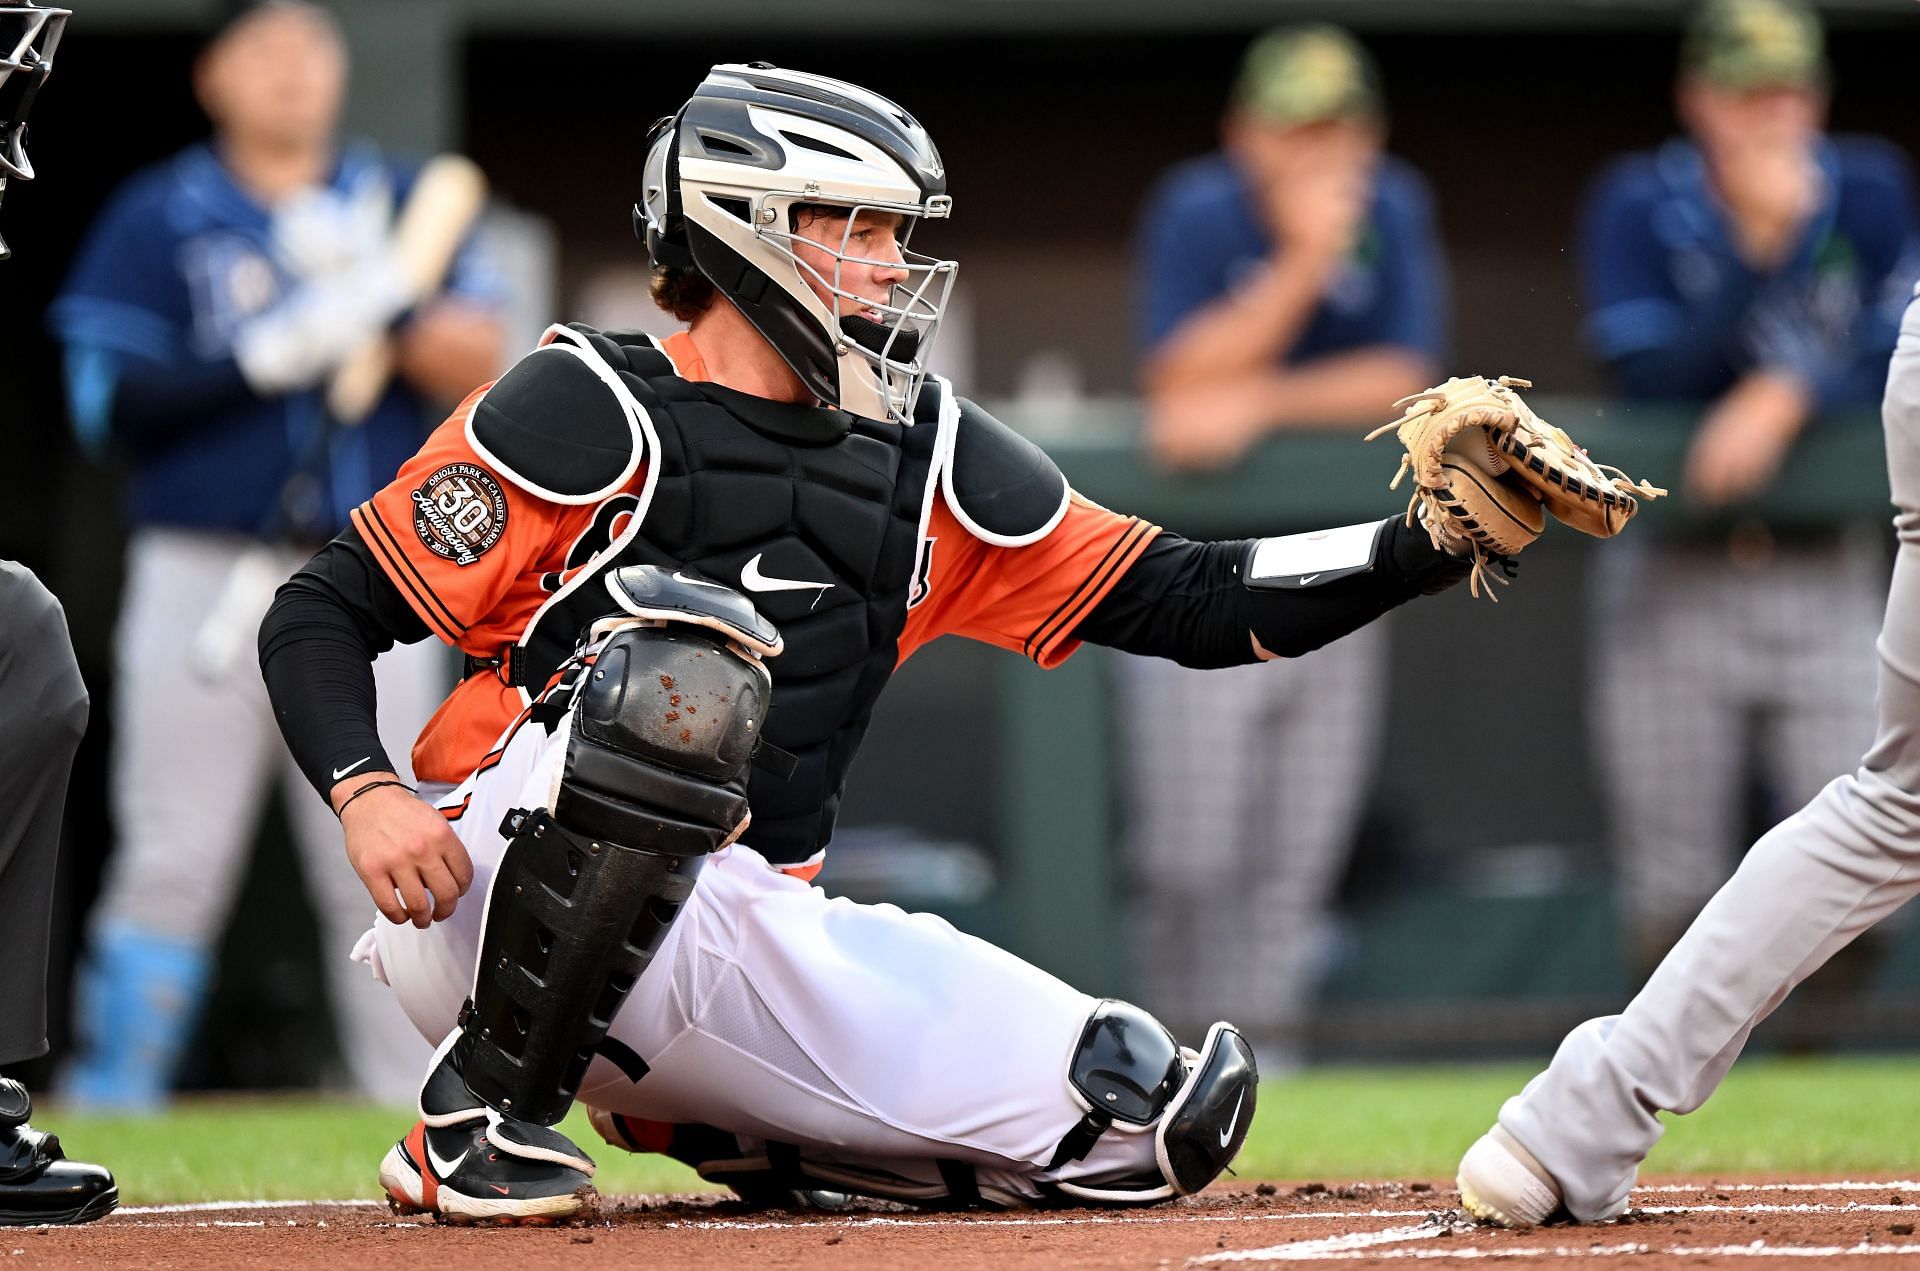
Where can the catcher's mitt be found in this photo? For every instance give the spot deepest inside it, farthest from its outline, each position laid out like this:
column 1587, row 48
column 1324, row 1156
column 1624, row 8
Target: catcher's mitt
column 1484, row 465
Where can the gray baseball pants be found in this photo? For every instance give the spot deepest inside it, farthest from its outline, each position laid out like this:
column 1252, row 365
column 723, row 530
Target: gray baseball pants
column 43, row 713
column 1835, row 868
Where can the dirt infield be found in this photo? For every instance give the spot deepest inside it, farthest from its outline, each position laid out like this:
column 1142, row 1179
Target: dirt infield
column 1672, row 1222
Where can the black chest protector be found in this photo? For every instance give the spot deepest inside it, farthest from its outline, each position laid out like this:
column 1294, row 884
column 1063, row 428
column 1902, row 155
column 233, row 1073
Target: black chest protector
column 814, row 514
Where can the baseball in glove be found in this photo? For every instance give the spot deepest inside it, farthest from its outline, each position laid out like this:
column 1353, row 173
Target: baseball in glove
column 1486, row 469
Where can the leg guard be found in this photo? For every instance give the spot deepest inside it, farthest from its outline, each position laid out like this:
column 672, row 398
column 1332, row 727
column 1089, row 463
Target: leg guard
column 664, row 726
column 1199, row 1104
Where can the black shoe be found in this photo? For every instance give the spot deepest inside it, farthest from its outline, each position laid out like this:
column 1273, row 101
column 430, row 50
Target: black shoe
column 491, row 1170
column 38, row 1184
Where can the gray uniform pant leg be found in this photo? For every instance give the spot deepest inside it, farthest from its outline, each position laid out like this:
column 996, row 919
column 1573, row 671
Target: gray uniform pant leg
column 43, row 713
column 1245, row 789
column 1812, row 884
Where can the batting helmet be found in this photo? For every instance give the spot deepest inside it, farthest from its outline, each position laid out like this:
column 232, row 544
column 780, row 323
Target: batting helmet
column 722, row 180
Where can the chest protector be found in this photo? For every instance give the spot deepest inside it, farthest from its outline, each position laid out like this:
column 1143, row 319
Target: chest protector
column 815, row 514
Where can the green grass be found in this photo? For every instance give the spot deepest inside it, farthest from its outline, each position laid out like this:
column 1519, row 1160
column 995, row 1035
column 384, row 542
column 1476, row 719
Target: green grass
column 1773, row 1116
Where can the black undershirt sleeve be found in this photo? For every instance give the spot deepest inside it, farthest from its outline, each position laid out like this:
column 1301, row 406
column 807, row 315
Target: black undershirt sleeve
column 1189, row 602
column 317, row 644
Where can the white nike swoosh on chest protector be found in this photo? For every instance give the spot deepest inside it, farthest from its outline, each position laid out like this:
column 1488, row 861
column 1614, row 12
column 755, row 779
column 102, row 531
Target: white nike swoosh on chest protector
column 753, row 580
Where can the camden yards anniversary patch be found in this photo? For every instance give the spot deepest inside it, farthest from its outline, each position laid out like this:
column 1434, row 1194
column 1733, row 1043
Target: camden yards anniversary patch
column 460, row 512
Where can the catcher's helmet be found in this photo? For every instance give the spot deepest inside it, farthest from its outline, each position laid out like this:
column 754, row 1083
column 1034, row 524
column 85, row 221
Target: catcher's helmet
column 722, row 178
column 28, row 35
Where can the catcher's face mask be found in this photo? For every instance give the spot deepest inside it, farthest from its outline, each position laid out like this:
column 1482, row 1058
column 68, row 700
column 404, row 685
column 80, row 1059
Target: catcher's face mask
column 28, row 36
column 795, row 195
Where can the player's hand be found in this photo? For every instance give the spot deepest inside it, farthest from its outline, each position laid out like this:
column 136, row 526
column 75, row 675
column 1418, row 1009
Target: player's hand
column 1745, row 437
column 295, row 344
column 413, row 864
column 1316, row 212
column 1208, row 425
column 1771, row 187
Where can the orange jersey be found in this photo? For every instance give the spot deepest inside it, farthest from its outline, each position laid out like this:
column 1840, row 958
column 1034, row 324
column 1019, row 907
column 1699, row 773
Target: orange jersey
column 476, row 556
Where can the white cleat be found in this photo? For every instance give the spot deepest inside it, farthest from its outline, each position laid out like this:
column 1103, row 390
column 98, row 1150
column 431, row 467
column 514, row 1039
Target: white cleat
column 1501, row 1183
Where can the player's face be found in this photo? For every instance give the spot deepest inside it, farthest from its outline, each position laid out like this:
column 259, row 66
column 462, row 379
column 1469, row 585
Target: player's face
column 1718, row 117
column 1273, row 153
column 873, row 264
column 277, row 78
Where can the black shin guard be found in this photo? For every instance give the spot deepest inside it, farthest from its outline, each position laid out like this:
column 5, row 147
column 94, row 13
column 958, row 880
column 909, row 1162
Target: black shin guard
column 663, row 731
column 572, row 922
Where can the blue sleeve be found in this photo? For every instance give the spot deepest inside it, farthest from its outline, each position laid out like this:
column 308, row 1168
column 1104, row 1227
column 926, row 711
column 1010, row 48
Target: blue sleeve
column 123, row 293
column 1879, row 208
column 125, row 320
column 1637, row 323
column 1181, row 268
column 1411, row 310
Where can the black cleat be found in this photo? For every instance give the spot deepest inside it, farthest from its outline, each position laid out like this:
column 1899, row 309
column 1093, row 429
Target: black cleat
column 489, row 1170
column 39, row 1186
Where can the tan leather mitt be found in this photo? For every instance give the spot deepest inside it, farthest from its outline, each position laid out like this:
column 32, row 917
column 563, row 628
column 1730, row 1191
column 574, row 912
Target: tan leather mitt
column 1484, row 466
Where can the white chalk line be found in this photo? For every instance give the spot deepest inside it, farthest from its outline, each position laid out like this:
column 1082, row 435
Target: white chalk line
column 222, row 1206
column 1355, row 1244
column 1758, row 1249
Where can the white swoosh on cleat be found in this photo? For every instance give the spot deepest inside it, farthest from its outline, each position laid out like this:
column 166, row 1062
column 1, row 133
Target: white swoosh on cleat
column 446, row 1168
column 1225, row 1134
column 753, row 580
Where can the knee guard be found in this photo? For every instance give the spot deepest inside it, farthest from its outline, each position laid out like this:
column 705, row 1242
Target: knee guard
column 664, row 724
column 1128, row 1069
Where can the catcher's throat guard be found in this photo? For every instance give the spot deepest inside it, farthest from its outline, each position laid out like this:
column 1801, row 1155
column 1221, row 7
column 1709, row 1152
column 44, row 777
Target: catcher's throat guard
column 665, row 718
column 1130, row 1076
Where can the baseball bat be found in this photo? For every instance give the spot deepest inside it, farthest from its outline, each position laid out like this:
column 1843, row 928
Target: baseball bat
column 445, row 200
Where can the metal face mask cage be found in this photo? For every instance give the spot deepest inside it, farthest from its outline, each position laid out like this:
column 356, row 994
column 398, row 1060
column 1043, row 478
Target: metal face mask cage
column 893, row 336
column 28, row 38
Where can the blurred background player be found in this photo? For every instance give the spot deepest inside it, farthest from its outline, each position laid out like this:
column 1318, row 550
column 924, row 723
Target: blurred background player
column 43, row 712
column 1291, row 280
column 202, row 318
column 1757, row 268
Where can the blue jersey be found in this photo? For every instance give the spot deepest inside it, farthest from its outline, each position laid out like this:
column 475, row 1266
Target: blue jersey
column 1202, row 236
column 180, row 259
column 1676, row 312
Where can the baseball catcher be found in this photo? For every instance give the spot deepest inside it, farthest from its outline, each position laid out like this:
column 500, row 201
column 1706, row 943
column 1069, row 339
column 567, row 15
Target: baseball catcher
column 1486, row 470
column 682, row 571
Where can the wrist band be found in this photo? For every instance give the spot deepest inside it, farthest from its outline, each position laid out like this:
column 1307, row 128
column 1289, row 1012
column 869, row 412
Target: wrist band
column 372, row 785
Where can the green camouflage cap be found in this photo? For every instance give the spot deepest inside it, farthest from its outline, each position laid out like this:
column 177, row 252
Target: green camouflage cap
column 1743, row 44
column 1304, row 74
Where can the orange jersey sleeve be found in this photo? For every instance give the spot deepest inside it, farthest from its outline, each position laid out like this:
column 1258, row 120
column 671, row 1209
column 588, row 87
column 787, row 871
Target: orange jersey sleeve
column 1028, row 599
column 454, row 536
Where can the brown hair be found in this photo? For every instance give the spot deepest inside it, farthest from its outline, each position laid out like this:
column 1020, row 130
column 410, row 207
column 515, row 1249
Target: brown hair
column 684, row 293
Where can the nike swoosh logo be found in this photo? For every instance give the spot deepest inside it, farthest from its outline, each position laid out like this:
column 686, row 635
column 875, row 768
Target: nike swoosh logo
column 680, row 577
column 444, row 1168
column 1225, row 1134
column 753, row 580
column 1303, row 582
column 341, row 772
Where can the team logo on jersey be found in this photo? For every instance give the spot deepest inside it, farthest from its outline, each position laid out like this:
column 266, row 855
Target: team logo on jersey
column 460, row 512
column 923, row 577
column 610, row 521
